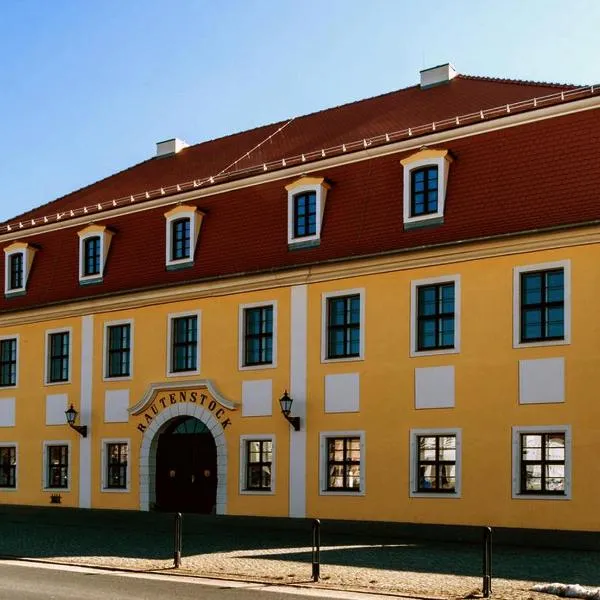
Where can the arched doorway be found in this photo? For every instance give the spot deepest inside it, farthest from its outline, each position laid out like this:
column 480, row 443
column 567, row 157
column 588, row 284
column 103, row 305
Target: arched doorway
column 186, row 467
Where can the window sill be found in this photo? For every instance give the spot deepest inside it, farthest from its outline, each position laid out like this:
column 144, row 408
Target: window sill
column 257, row 367
column 559, row 497
column 183, row 373
column 177, row 265
column 8, row 386
column 425, row 221
column 341, row 493
column 14, row 293
column 257, row 492
column 417, row 353
column 115, row 490
column 9, row 489
column 302, row 243
column 108, row 379
column 434, row 495
column 54, row 383
column 564, row 342
column 342, row 359
column 91, row 280
column 63, row 490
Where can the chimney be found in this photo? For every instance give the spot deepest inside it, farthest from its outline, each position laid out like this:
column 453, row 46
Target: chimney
column 437, row 75
column 168, row 147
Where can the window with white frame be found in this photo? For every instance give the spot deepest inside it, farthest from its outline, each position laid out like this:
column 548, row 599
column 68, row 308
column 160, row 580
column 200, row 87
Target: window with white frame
column 542, row 304
column 435, row 462
column 94, row 244
column 257, row 460
column 425, row 183
column 57, row 468
column 343, row 325
column 342, row 462
column 9, row 356
column 8, row 466
column 182, row 228
column 258, row 335
column 58, row 356
column 435, row 315
column 184, row 344
column 118, row 347
column 115, row 465
column 542, row 461
column 306, row 206
column 18, row 258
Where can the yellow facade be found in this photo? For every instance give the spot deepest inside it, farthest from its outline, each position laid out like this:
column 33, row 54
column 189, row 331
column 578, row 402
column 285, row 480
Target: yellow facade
column 486, row 370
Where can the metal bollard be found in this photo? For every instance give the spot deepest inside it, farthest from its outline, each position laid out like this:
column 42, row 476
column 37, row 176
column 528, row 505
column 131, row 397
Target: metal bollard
column 316, row 550
column 487, row 562
column 177, row 540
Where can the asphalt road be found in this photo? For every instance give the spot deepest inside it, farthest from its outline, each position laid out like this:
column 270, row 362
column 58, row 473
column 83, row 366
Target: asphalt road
column 31, row 581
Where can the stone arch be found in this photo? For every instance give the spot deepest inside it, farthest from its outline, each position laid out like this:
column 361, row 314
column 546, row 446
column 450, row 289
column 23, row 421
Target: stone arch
column 150, row 445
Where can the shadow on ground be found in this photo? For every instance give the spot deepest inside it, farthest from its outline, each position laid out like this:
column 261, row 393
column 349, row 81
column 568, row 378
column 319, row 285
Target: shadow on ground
column 32, row 532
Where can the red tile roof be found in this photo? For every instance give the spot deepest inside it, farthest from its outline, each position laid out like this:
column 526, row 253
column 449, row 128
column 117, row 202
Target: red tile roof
column 506, row 181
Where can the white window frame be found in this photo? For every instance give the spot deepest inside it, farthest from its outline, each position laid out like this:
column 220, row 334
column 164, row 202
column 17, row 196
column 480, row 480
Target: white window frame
column 414, row 455
column 107, row 324
column 27, row 252
column 14, row 336
column 49, row 332
column 105, row 238
column 414, row 309
column 302, row 186
column 244, row 463
column 324, row 338
column 170, row 319
column 425, row 158
column 104, row 453
column 45, row 445
column 517, row 271
column 242, row 336
column 195, row 217
column 517, row 430
column 323, row 473
column 14, row 445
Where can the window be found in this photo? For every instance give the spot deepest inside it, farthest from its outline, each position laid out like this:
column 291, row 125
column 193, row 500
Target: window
column 15, row 265
column 542, row 304
column 435, row 467
column 259, row 456
column 57, row 466
column 58, row 344
column 258, row 335
column 306, row 204
column 8, row 362
column 436, row 463
column 423, row 191
column 118, row 350
column 91, row 256
column 182, row 230
column 8, row 467
column 94, row 243
column 541, row 462
column 305, row 214
column 183, row 340
column 435, row 316
column 180, row 239
column 117, row 458
column 344, row 316
column 343, row 464
column 425, row 183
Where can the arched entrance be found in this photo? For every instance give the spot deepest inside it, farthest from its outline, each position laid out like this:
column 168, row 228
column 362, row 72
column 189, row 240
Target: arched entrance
column 186, row 467
column 149, row 451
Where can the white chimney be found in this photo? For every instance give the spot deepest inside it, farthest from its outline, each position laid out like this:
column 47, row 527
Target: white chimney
column 168, row 147
column 437, row 75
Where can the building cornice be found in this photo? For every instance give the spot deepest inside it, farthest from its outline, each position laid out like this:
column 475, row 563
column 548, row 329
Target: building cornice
column 398, row 260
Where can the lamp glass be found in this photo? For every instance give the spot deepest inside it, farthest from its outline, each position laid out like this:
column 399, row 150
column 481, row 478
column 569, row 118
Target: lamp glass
column 286, row 404
column 71, row 415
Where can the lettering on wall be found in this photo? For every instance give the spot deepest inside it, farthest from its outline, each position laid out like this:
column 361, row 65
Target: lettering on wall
column 168, row 398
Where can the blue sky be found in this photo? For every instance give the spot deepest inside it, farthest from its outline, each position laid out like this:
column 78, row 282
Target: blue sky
column 88, row 88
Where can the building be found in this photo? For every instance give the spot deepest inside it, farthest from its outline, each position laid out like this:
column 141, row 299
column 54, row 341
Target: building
column 416, row 271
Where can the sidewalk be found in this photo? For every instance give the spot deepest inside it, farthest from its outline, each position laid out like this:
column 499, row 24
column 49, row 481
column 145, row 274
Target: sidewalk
column 279, row 551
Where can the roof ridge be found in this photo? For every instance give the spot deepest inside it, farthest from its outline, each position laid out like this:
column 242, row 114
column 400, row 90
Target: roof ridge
column 519, row 81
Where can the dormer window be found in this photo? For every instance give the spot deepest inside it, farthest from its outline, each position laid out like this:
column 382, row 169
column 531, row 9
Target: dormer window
column 182, row 231
column 94, row 243
column 425, row 181
column 17, row 265
column 180, row 239
column 306, row 205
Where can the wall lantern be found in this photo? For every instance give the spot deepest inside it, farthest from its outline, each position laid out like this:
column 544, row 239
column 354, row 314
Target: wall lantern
column 286, row 406
column 71, row 415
